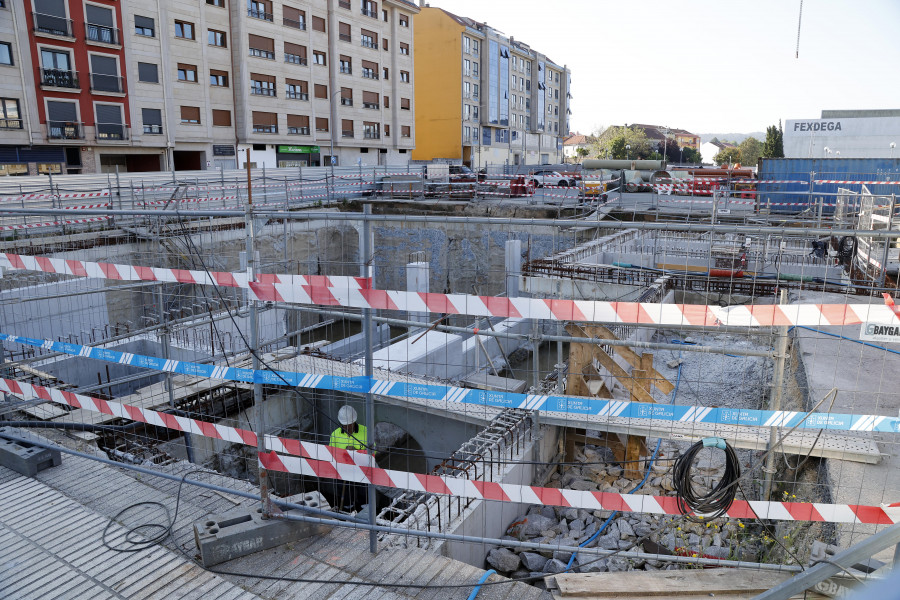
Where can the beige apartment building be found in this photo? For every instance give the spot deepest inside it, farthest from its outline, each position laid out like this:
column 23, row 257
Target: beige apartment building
column 105, row 85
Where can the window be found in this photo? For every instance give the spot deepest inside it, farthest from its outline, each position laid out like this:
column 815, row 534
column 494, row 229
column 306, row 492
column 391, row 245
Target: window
column 50, row 17
column 262, row 85
column 385, row 73
column 100, row 25
column 556, row 94
column 265, row 122
column 384, row 15
column 144, row 26
column 405, row 130
column 148, row 72
column 467, row 112
column 404, row 21
column 467, row 44
column 404, row 48
column 318, row 57
column 109, row 125
column 218, row 78
column 105, row 74
column 344, row 32
column 298, row 124
column 187, row 73
column 346, row 96
column 371, row 131
column 62, row 121
column 474, row 113
column 190, row 115
column 387, row 130
column 221, row 118
column 404, row 103
column 467, row 90
column 369, row 69
column 294, row 53
column 369, row 39
column 259, row 9
column 369, row 8
column 219, row 3
column 321, row 91
column 384, row 44
column 296, row 89
column 6, row 53
column 346, row 65
column 56, row 70
column 293, row 17
column 184, row 30
column 474, row 69
column 346, row 128
column 404, row 76
column 370, row 100
column 321, row 124
column 474, row 46
column 318, row 24
column 152, row 119
column 387, row 101
column 475, row 90
column 262, row 47
column 216, row 38
column 9, row 114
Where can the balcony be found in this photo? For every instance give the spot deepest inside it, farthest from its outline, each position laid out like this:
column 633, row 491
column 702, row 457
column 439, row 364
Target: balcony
column 295, row 59
column 372, row 105
column 111, row 132
column 153, row 129
column 368, row 43
column 102, row 34
column 60, row 79
column 372, row 135
column 262, row 53
column 258, row 90
column 301, row 25
column 52, row 25
column 64, row 130
column 259, row 14
column 106, row 83
column 10, row 123
column 369, row 74
column 346, row 101
column 369, row 13
column 293, row 95
column 344, row 4
column 345, row 37
column 298, row 130
column 347, row 133
column 265, row 129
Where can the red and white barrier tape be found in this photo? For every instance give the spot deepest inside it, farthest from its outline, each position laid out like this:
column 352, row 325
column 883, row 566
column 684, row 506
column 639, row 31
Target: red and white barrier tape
column 51, row 223
column 318, row 460
column 858, row 182
column 66, row 196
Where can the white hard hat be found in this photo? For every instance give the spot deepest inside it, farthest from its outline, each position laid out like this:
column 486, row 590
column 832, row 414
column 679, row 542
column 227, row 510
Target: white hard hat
column 347, row 415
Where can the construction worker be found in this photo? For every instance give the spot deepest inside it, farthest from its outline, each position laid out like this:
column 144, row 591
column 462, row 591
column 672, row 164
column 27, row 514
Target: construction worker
column 349, row 436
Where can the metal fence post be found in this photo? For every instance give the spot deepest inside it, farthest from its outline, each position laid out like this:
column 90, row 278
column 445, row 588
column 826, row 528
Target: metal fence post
column 366, row 270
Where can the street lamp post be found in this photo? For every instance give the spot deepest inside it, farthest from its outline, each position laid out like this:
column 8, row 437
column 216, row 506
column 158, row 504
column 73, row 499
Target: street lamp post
column 681, row 155
column 331, row 130
column 627, row 151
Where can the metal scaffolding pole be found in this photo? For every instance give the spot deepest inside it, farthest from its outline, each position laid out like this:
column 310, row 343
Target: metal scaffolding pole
column 366, row 271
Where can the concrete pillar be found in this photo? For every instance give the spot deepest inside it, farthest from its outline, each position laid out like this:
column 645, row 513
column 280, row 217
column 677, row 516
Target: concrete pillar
column 417, row 278
column 513, row 265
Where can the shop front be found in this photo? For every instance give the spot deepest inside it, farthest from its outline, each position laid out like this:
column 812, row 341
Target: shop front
column 298, row 156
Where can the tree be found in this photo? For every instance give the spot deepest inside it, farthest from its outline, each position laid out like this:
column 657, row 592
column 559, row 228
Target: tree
column 612, row 143
column 692, row 156
column 581, row 154
column 751, row 149
column 773, row 147
column 728, row 156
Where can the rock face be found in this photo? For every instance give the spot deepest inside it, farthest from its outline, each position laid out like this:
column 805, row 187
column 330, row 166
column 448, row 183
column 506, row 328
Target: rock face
column 503, row 560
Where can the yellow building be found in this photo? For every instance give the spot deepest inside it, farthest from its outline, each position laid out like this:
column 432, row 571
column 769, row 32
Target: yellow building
column 483, row 98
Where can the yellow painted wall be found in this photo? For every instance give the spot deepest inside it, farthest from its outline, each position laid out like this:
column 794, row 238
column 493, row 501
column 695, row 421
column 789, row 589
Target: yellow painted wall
column 438, row 85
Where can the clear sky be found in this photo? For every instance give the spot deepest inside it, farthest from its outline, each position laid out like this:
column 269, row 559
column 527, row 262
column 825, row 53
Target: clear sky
column 708, row 66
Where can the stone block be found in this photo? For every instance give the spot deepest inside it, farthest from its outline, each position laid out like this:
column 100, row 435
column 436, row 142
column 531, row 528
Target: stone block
column 24, row 458
column 243, row 531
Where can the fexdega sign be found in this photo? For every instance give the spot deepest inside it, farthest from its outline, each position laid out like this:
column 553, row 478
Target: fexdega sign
column 817, row 126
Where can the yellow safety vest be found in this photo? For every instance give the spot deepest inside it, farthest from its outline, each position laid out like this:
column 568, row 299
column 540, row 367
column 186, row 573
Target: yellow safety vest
column 342, row 439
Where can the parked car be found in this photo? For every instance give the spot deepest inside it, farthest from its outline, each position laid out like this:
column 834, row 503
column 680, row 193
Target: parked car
column 462, row 173
column 540, row 178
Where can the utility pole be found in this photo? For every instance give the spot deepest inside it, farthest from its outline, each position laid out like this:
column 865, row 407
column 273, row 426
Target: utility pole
column 775, row 404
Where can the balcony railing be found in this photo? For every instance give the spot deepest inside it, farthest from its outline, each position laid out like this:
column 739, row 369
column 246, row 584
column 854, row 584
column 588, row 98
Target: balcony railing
column 153, row 129
column 106, row 83
column 258, row 90
column 101, row 34
column 298, row 130
column 259, row 14
column 346, row 70
column 347, row 133
column 262, row 53
column 345, row 37
column 369, row 74
column 64, row 130
column 10, row 123
column 111, row 132
column 373, row 105
column 346, row 101
column 344, row 4
column 60, row 78
column 292, row 95
column 294, row 23
column 265, row 129
column 369, row 43
column 372, row 135
column 369, row 13
column 295, row 59
column 52, row 25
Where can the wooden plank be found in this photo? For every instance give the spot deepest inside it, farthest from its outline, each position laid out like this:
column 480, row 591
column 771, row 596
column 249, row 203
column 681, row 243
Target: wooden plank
column 631, row 357
column 639, row 394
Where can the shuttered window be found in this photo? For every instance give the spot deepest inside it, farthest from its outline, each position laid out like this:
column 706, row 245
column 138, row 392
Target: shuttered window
column 151, row 116
column 321, row 124
column 190, row 114
column 295, row 49
column 318, row 24
column 98, row 15
column 148, row 72
column 265, row 118
column 221, row 118
column 404, row 103
column 321, row 91
column 62, row 111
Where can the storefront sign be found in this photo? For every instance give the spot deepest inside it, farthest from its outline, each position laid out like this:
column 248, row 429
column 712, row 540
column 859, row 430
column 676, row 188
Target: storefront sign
column 223, row 150
column 298, row 149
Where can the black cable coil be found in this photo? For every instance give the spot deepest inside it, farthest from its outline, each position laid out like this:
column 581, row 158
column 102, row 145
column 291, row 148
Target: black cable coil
column 719, row 499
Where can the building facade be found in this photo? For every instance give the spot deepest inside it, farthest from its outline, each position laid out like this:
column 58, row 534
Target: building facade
column 491, row 99
column 844, row 134
column 105, row 85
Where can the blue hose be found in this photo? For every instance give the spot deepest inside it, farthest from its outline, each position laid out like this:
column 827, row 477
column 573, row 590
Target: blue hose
column 639, row 486
column 477, row 589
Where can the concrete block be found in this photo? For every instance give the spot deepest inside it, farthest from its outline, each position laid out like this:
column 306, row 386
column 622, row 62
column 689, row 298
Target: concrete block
column 243, row 531
column 26, row 458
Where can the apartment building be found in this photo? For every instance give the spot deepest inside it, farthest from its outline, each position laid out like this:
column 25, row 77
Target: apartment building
column 490, row 98
column 106, row 85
